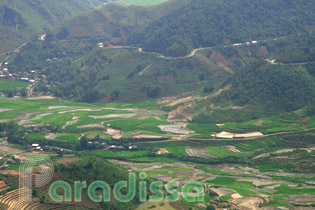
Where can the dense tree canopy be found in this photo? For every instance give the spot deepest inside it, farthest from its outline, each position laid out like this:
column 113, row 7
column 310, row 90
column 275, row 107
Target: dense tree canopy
column 211, row 22
column 281, row 86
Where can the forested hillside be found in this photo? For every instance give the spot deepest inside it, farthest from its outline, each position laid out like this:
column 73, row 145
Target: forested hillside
column 111, row 74
column 211, row 23
column 284, row 87
column 114, row 21
column 94, row 169
column 21, row 21
column 77, row 66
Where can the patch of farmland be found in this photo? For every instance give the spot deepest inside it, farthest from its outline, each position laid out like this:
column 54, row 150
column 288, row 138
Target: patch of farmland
column 222, row 152
column 92, row 126
column 72, row 122
column 23, row 116
column 79, row 110
column 125, row 116
column 222, row 191
column 51, row 136
column 234, row 149
column 37, row 117
column 249, row 202
column 177, row 150
column 198, row 152
column 162, row 151
column 60, row 107
column 247, row 147
column 40, row 97
column 5, row 110
column 176, row 129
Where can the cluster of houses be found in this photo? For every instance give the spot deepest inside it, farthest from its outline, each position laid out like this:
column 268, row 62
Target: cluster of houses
column 4, row 72
column 31, row 76
column 37, row 147
column 14, row 160
column 50, row 60
column 100, row 45
column 247, row 43
column 131, row 147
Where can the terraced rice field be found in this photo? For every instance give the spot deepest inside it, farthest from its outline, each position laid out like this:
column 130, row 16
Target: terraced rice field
column 75, row 117
column 11, row 200
column 198, row 152
column 221, row 152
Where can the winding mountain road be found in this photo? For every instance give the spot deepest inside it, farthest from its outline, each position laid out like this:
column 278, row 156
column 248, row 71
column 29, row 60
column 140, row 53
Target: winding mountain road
column 194, row 51
column 191, row 54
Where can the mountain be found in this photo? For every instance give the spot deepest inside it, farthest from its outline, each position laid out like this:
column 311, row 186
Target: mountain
column 21, row 21
column 259, row 86
column 114, row 21
column 219, row 92
column 77, row 66
column 211, row 23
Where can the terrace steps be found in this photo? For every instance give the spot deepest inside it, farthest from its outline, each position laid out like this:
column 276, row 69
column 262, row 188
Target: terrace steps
column 10, row 201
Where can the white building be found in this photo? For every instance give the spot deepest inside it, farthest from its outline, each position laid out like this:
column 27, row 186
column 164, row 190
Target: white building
column 237, row 44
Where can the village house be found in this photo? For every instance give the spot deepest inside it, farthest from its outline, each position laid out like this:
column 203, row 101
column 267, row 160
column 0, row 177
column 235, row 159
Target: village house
column 271, row 61
column 4, row 167
column 237, row 44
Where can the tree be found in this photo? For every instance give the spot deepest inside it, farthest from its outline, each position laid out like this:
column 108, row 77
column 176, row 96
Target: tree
column 63, row 33
column 83, row 143
column 10, row 93
column 210, row 207
column 23, row 92
column 208, row 89
column 153, row 92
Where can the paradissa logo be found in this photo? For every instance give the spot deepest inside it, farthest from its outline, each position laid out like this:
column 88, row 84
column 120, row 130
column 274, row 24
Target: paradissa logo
column 156, row 187
column 45, row 171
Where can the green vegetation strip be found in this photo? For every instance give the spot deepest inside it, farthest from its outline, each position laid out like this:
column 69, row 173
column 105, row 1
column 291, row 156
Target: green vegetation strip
column 221, row 152
column 11, row 85
column 242, row 187
column 225, row 198
column 222, row 173
column 176, row 168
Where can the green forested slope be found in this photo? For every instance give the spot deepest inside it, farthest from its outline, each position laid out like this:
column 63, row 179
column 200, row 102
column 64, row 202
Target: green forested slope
column 281, row 86
column 112, row 74
column 211, row 22
column 91, row 170
column 75, row 67
column 114, row 21
column 20, row 20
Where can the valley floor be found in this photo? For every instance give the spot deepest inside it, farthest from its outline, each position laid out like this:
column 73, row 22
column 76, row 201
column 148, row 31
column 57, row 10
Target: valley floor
column 260, row 165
